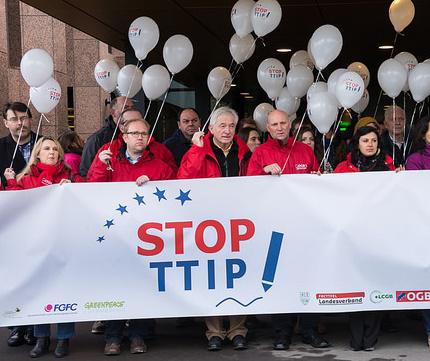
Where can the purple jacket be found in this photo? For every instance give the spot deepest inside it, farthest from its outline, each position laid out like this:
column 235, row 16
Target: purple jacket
column 419, row 160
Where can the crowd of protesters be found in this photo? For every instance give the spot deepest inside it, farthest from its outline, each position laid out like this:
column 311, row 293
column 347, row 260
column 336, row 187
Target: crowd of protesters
column 123, row 151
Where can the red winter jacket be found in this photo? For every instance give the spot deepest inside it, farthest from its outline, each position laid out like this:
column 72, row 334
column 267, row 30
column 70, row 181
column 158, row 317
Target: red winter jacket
column 43, row 175
column 301, row 160
column 201, row 162
column 159, row 151
column 124, row 171
column 347, row 167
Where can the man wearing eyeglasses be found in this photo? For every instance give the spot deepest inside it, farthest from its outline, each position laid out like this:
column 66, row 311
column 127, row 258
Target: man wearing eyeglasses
column 131, row 162
column 17, row 119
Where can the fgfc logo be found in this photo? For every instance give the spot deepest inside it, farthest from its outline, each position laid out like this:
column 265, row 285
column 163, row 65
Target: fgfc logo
column 413, row 296
column 61, row 307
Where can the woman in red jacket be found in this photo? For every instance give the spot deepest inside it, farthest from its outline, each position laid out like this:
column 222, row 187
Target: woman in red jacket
column 45, row 167
column 365, row 156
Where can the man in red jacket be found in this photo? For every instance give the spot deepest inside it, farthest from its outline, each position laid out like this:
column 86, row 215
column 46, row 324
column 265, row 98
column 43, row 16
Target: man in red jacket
column 280, row 155
column 219, row 154
column 131, row 162
column 159, row 150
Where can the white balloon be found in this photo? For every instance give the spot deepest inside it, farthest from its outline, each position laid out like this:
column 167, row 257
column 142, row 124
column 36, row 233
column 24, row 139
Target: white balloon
column 177, row 53
column 219, row 82
column 392, row 76
column 326, row 44
column 143, row 35
column 362, row 104
column 301, row 57
column 260, row 115
column 271, row 77
column 129, row 80
column 349, row 89
column 266, row 16
column 322, row 111
column 361, row 70
column 299, row 79
column 317, row 87
column 46, row 97
column 106, row 74
column 419, row 82
column 36, row 67
column 241, row 49
column 287, row 102
column 241, row 17
column 427, row 61
column 311, row 56
column 332, row 82
column 409, row 61
column 155, row 81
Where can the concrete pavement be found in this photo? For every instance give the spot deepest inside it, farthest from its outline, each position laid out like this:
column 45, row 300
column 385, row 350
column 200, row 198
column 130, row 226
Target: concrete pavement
column 188, row 343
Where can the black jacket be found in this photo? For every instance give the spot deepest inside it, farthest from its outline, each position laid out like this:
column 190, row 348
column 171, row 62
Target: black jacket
column 94, row 143
column 178, row 145
column 7, row 147
column 387, row 148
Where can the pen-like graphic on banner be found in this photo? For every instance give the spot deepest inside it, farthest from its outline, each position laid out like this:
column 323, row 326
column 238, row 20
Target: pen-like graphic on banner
column 272, row 260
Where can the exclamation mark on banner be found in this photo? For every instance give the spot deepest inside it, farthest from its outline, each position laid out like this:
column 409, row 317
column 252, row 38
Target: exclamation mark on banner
column 272, row 260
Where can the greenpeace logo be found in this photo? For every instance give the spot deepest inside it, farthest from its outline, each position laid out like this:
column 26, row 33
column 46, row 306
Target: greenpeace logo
column 351, row 298
column 413, row 296
column 104, row 305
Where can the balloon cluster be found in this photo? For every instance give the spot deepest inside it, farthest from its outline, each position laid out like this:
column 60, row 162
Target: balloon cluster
column 37, row 69
column 247, row 16
column 143, row 35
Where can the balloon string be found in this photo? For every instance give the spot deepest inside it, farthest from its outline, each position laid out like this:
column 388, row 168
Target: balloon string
column 147, row 109
column 138, row 66
column 394, row 45
column 318, row 76
column 214, row 108
column 38, row 126
column 327, row 151
column 380, row 92
column 409, row 131
column 394, row 131
column 161, row 108
column 20, row 134
column 404, row 123
column 294, row 142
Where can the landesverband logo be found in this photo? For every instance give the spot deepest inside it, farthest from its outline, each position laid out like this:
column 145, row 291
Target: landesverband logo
column 350, row 298
column 413, row 296
column 104, row 305
column 378, row 296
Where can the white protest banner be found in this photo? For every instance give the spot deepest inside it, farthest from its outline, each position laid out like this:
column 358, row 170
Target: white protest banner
column 251, row 245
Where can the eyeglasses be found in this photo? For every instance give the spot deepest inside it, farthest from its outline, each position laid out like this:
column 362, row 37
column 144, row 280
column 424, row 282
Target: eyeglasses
column 138, row 134
column 22, row 119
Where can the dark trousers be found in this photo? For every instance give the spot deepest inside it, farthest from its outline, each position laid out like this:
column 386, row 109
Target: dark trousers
column 364, row 328
column 283, row 324
column 142, row 328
